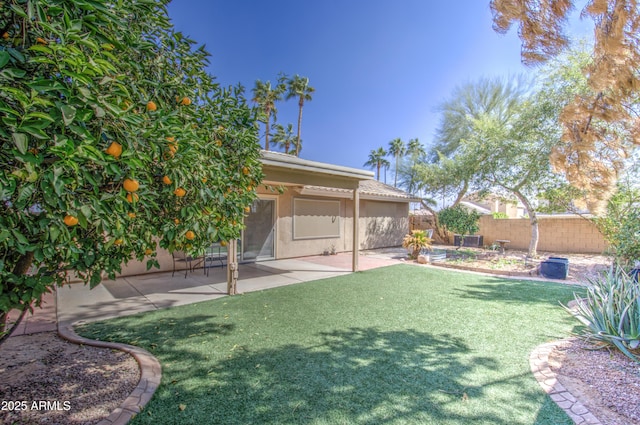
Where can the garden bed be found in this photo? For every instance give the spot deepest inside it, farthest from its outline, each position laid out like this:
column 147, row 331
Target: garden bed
column 516, row 262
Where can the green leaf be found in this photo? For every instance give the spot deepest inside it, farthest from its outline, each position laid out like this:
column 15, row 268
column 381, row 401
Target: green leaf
column 19, row 237
column 54, row 232
column 4, row 58
column 13, row 72
column 68, row 114
column 21, row 141
column 4, row 234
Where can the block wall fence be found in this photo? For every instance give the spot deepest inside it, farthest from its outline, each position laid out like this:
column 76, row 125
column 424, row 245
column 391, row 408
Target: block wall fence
column 569, row 234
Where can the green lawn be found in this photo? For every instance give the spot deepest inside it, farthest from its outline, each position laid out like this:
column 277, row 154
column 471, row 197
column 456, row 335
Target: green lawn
column 397, row 345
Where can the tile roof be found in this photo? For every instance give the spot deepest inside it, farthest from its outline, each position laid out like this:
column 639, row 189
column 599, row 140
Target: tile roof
column 370, row 189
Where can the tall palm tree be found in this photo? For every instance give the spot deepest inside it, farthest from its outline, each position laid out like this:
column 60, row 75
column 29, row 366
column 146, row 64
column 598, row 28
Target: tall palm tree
column 415, row 152
column 266, row 97
column 415, row 149
column 299, row 88
column 397, row 149
column 377, row 160
column 284, row 137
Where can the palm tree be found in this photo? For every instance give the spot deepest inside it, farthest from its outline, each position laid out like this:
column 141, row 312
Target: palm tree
column 377, row 160
column 299, row 87
column 396, row 149
column 266, row 97
column 415, row 150
column 284, row 137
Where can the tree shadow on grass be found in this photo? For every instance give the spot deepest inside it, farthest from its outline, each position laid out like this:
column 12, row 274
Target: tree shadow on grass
column 519, row 291
column 358, row 375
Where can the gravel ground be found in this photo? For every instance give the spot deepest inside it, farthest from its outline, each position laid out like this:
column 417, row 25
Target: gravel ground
column 607, row 382
column 47, row 380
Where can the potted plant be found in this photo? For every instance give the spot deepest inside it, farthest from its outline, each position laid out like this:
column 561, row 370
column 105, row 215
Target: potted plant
column 416, row 241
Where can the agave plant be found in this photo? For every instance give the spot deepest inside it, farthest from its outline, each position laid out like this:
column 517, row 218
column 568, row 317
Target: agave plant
column 416, row 241
column 611, row 312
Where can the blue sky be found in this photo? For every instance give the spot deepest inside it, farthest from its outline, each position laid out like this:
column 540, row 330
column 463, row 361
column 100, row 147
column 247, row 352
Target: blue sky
column 380, row 68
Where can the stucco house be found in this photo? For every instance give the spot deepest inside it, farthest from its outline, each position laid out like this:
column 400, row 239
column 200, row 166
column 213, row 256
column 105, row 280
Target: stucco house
column 307, row 208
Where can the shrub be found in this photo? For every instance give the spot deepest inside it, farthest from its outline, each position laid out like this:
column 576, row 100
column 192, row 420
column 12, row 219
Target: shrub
column 611, row 312
column 459, row 220
column 416, row 241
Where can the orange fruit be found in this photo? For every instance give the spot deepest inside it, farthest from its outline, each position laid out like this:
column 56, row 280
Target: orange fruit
column 132, row 197
column 190, row 235
column 223, row 243
column 247, row 209
column 245, row 171
column 118, row 242
column 204, row 180
column 131, row 215
column 114, row 149
column 131, row 185
column 180, row 192
column 151, row 106
column 70, row 220
column 173, row 148
column 249, row 188
column 5, row 35
column 176, row 220
column 166, row 180
column 218, row 142
column 148, row 251
column 185, row 101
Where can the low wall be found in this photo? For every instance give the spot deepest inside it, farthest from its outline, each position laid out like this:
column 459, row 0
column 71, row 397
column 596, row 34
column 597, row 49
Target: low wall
column 556, row 233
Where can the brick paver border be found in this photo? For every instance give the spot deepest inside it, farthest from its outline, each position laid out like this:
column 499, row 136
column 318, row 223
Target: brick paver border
column 547, row 378
column 150, row 375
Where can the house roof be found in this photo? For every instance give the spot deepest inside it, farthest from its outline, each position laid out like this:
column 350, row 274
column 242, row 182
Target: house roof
column 292, row 163
column 369, row 189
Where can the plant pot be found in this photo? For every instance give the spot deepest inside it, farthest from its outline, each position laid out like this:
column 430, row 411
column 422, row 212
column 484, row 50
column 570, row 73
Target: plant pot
column 471, row 241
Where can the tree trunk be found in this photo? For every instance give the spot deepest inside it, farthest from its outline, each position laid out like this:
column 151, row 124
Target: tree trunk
column 395, row 177
column 300, row 104
column 533, row 219
column 442, row 234
column 21, row 268
column 266, row 135
column 461, row 194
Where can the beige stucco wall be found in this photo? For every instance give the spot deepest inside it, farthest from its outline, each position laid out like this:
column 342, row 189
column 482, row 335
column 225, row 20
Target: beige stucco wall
column 557, row 234
column 381, row 224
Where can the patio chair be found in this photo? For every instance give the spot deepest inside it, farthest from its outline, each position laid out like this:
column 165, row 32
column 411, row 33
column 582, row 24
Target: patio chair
column 182, row 257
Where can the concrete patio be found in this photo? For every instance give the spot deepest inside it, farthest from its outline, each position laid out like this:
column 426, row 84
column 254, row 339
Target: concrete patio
column 134, row 294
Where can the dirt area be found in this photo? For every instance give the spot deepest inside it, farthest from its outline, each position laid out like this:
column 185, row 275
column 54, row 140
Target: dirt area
column 516, row 263
column 47, row 380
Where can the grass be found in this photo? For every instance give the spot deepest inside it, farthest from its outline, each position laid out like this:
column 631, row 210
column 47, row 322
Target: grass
column 396, row 345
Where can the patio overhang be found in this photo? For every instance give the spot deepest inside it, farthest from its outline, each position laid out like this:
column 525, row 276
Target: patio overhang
column 288, row 170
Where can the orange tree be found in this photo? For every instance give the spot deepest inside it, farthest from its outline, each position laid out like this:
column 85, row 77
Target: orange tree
column 114, row 139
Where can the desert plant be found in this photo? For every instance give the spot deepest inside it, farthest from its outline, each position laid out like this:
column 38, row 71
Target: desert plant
column 416, row 241
column 611, row 312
